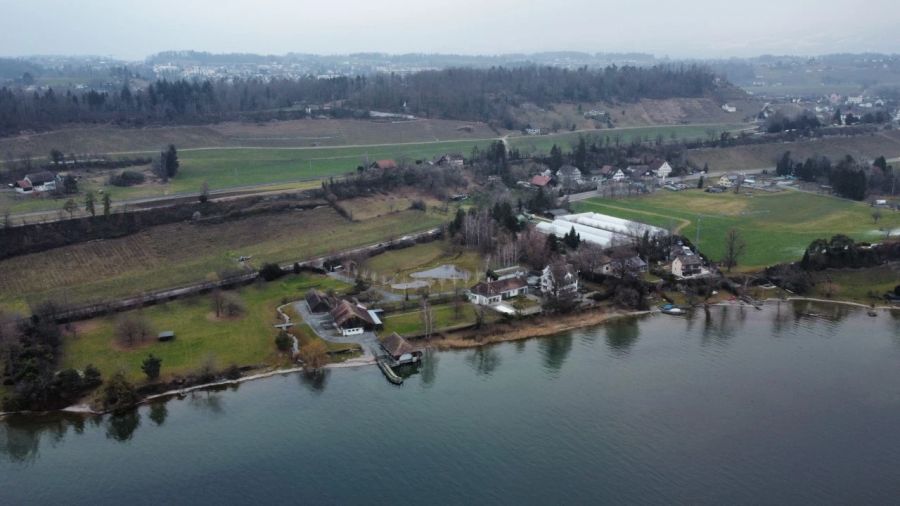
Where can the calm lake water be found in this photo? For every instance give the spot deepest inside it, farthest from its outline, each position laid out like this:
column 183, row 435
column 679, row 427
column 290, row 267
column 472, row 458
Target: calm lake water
column 736, row 406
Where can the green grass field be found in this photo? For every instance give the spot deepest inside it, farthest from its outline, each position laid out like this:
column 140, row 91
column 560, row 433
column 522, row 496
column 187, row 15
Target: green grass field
column 866, row 286
column 776, row 227
column 247, row 340
column 543, row 143
column 410, row 323
column 224, row 168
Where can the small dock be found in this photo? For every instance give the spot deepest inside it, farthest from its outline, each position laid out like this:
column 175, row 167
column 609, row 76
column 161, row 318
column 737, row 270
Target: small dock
column 388, row 371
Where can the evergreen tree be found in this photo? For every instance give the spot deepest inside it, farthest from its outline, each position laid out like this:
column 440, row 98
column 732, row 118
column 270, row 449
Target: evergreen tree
column 89, row 203
column 171, row 161
column 107, row 204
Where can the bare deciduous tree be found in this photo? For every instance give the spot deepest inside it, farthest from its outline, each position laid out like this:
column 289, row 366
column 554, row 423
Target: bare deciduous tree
column 734, row 249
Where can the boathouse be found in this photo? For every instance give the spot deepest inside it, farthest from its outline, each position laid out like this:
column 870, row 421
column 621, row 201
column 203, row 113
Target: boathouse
column 399, row 350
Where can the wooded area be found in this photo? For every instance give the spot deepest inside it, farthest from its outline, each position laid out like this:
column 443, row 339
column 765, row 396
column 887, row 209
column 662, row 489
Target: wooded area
column 457, row 93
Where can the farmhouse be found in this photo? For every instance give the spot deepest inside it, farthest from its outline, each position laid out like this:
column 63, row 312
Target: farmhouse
column 399, row 350
column 492, row 292
column 450, row 160
column 43, row 181
column 661, row 168
column 318, row 302
column 619, row 175
column 353, row 318
column 566, row 284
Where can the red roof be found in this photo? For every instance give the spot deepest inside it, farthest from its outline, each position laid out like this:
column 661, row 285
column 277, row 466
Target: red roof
column 24, row 184
column 386, row 164
column 540, row 180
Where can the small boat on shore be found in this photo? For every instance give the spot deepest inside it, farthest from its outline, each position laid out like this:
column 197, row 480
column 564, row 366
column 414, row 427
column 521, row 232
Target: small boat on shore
column 671, row 309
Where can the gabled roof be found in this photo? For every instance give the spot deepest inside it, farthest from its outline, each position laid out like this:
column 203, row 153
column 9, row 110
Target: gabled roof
column 656, row 164
column 494, row 288
column 396, row 346
column 540, row 180
column 39, row 178
column 315, row 298
column 607, row 170
column 345, row 311
column 568, row 170
column 690, row 260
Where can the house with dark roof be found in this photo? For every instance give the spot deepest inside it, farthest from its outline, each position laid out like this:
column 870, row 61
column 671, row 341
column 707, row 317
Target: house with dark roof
column 568, row 175
column 43, row 181
column 685, row 266
column 559, row 280
column 319, row 302
column 450, row 160
column 487, row 293
column 353, row 318
column 400, row 350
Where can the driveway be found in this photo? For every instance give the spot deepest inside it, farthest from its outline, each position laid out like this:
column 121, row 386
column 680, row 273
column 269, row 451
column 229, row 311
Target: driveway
column 323, row 325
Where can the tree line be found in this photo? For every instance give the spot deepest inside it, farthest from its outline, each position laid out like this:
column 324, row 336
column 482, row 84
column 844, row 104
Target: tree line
column 848, row 178
column 454, row 93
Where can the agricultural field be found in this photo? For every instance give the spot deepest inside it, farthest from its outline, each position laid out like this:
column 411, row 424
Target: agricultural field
column 640, row 113
column 201, row 337
column 248, row 167
column 777, row 227
column 543, row 143
column 761, row 156
column 291, row 133
column 182, row 253
column 397, row 266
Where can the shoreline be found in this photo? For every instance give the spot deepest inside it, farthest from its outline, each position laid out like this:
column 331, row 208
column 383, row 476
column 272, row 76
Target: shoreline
column 498, row 333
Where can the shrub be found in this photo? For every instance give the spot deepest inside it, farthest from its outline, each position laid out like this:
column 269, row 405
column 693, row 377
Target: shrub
column 283, row 341
column 127, row 178
column 271, row 272
column 119, row 393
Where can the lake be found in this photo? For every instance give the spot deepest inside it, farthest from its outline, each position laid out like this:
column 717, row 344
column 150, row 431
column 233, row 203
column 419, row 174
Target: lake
column 798, row 403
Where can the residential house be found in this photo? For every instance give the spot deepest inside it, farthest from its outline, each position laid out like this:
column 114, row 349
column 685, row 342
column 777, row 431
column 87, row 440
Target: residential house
column 685, row 266
column 568, row 175
column 661, row 168
column 533, row 131
column 638, row 172
column 619, row 175
column 729, row 108
column 540, row 181
column 399, row 350
column 568, row 284
column 615, row 266
column 353, row 318
column 43, row 181
column 727, row 180
column 319, row 302
column 492, row 292
column 450, row 160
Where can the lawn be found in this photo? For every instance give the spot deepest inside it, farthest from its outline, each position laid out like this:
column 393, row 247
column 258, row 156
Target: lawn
column 246, row 340
column 410, row 323
column 183, row 253
column 397, row 265
column 776, row 227
column 865, row 286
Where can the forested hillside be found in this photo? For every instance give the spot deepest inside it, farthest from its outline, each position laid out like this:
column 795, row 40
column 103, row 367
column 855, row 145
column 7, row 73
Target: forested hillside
column 465, row 94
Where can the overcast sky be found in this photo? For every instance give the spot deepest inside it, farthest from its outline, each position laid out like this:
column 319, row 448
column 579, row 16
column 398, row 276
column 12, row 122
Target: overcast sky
column 678, row 28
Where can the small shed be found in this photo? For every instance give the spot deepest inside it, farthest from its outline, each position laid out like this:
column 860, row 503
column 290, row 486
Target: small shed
column 166, row 335
column 399, row 350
